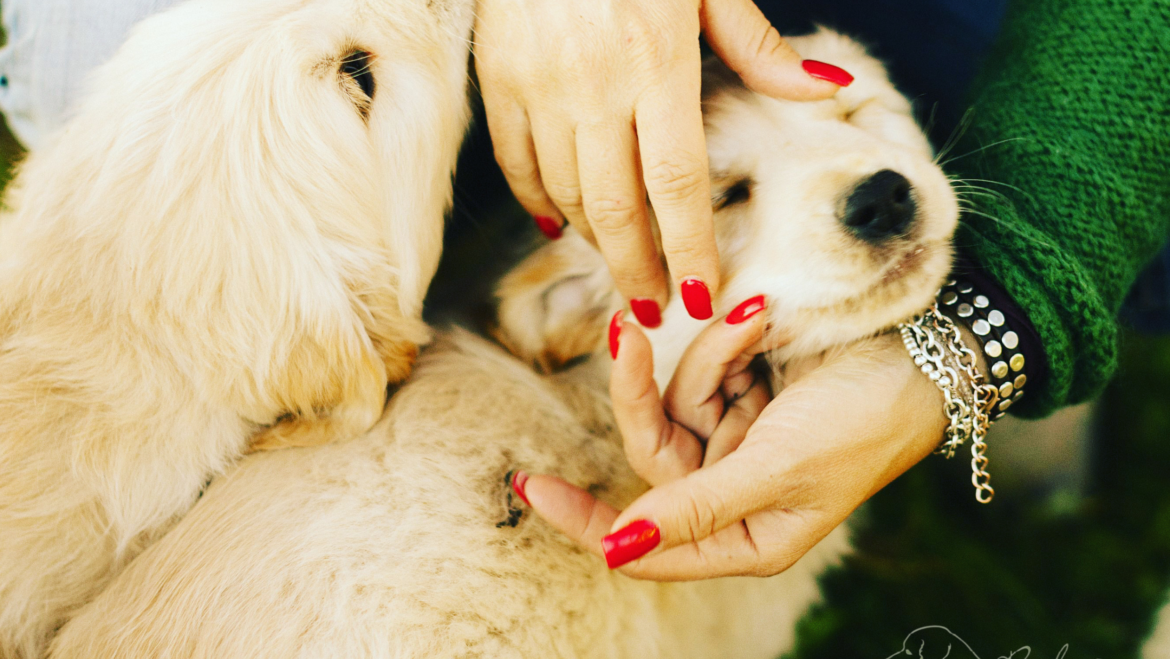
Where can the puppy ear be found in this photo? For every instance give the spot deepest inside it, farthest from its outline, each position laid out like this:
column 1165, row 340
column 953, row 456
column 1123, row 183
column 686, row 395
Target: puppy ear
column 554, row 307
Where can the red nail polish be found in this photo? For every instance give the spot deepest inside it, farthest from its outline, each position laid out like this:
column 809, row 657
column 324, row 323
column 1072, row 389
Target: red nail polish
column 697, row 298
column 549, row 227
column 746, row 310
column 647, row 313
column 519, row 480
column 631, row 543
column 823, row 71
column 615, row 334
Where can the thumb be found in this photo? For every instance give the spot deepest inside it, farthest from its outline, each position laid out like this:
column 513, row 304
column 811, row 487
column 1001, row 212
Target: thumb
column 691, row 509
column 742, row 37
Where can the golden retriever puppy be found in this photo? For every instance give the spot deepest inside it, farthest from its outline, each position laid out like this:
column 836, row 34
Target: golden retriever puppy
column 230, row 242
column 408, row 541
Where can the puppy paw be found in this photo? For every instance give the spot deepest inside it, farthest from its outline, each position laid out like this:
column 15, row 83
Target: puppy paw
column 555, row 306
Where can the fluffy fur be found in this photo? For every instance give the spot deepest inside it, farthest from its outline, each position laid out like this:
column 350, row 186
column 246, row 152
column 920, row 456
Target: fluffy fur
column 229, row 243
column 408, row 543
column 781, row 172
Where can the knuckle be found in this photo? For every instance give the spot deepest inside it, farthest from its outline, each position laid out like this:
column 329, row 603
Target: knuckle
column 567, row 196
column 678, row 179
column 699, row 514
column 516, row 169
column 612, row 213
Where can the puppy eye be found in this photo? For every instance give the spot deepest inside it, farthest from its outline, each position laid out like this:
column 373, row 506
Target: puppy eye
column 356, row 67
column 737, row 193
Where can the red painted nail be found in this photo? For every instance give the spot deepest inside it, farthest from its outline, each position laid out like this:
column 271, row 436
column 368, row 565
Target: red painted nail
column 615, row 334
column 823, row 71
column 631, row 543
column 746, row 310
column 647, row 313
column 697, row 298
column 519, row 480
column 549, row 227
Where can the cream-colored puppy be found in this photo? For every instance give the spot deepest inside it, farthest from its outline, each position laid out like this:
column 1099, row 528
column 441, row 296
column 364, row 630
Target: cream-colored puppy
column 408, row 541
column 835, row 210
column 231, row 241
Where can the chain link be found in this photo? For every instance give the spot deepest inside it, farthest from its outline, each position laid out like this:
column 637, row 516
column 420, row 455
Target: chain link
column 936, row 346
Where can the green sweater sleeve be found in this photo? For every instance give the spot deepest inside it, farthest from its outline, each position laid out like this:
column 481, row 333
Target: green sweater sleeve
column 1069, row 141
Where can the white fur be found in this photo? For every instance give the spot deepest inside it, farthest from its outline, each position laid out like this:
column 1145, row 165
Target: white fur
column 398, row 544
column 824, row 286
column 219, row 239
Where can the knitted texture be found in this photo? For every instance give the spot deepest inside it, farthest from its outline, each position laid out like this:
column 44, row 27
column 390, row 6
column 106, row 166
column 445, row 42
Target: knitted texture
column 1069, row 145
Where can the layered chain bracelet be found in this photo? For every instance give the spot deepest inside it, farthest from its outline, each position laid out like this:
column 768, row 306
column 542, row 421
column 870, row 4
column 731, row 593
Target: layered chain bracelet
column 972, row 402
column 937, row 347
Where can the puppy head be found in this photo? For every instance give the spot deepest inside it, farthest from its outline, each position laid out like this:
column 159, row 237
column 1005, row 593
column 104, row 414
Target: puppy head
column 278, row 158
column 835, row 210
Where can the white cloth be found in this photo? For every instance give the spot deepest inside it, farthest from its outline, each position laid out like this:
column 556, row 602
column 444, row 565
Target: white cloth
column 53, row 45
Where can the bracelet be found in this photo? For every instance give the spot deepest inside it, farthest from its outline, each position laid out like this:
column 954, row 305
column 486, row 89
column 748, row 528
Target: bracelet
column 937, row 348
column 998, row 340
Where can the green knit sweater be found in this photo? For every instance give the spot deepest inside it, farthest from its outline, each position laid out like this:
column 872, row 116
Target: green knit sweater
column 1071, row 122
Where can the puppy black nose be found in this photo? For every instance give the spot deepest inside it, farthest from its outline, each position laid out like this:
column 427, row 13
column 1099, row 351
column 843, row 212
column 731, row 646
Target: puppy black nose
column 880, row 207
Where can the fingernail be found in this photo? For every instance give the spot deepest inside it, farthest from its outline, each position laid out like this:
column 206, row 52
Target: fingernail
column 647, row 313
column 631, row 543
column 697, row 298
column 746, row 310
column 519, row 480
column 549, row 227
column 615, row 334
column 823, row 71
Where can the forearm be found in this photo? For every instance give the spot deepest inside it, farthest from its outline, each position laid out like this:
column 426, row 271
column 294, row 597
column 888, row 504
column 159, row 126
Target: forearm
column 1066, row 174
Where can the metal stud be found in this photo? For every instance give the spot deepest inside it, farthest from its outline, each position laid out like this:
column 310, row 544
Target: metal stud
column 1006, row 389
column 1000, row 369
column 982, row 302
column 993, row 349
column 950, row 297
column 965, row 310
column 1021, row 380
column 966, row 288
column 1011, row 340
column 1019, row 395
column 1017, row 362
column 981, row 327
column 996, row 318
column 1004, row 405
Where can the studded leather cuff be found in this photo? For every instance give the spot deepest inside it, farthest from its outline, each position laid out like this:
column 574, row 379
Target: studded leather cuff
column 1009, row 342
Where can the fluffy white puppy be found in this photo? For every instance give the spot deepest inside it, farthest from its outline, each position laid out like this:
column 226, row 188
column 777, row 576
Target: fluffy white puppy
column 229, row 242
column 408, row 542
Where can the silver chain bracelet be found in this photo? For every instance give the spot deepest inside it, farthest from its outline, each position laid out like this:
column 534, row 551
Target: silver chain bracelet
column 937, row 348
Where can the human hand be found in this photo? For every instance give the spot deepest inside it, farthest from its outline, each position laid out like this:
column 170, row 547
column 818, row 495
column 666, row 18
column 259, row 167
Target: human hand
column 593, row 103
column 734, row 494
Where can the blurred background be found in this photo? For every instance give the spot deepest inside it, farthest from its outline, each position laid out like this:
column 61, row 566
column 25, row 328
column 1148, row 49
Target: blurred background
column 1074, row 551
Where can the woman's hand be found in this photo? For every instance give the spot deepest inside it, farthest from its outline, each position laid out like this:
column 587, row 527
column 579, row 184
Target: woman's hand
column 737, row 494
column 593, row 103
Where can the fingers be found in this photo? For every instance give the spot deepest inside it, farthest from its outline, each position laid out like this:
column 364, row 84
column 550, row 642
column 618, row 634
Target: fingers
column 556, row 155
column 587, row 520
column 694, row 397
column 571, row 510
column 742, row 37
column 702, row 525
column 516, row 155
column 615, row 206
column 658, row 450
column 673, row 150
column 737, row 420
